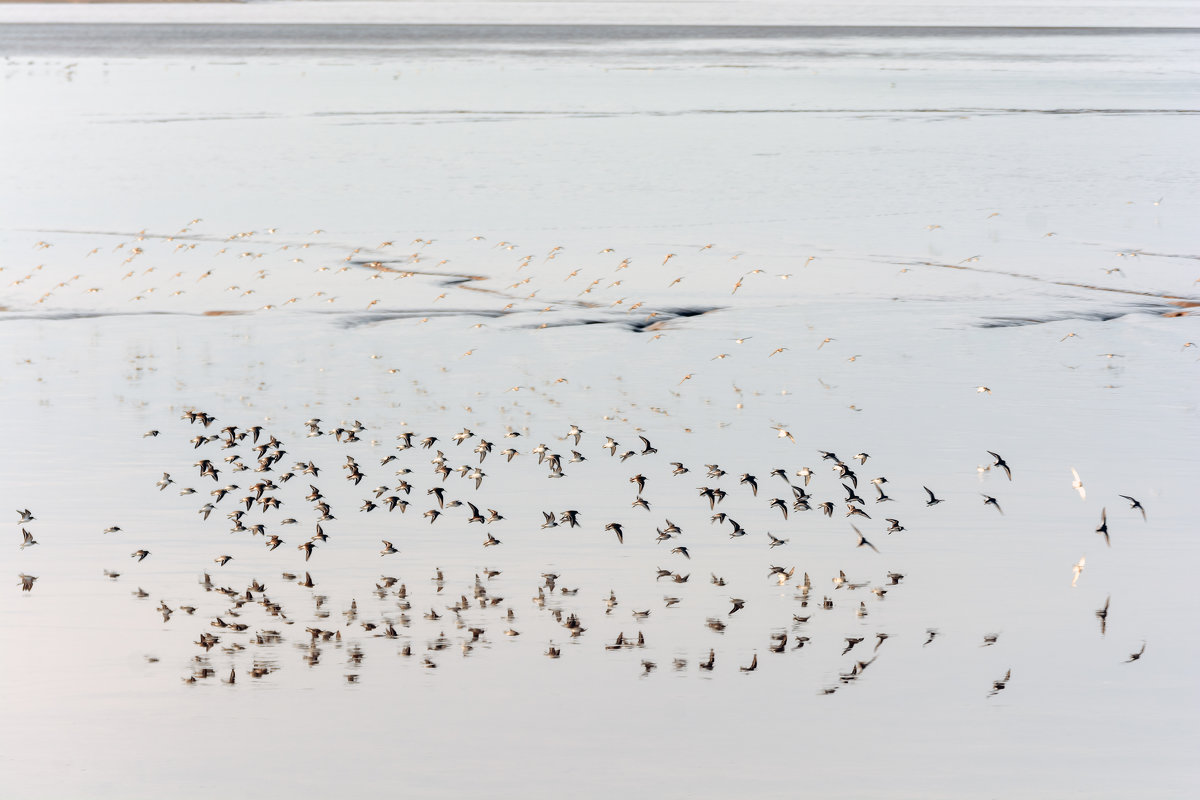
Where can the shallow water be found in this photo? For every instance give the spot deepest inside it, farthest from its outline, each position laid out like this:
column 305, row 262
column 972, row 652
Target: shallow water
column 945, row 207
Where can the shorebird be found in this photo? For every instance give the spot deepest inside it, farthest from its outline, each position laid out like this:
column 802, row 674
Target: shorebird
column 388, row 549
column 933, row 501
column 26, row 582
column 616, row 528
column 1000, row 462
column 1077, row 569
column 223, row 560
column 862, row 541
column 26, row 516
column 1132, row 656
column 1134, row 504
column 28, row 539
column 991, row 501
column 1102, row 615
column 753, row 665
column 1077, row 485
column 140, row 555
column 1103, row 528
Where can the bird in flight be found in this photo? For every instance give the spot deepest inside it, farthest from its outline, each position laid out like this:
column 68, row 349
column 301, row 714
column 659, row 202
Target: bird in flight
column 1001, row 463
column 1103, row 528
column 862, row 541
column 1134, row 504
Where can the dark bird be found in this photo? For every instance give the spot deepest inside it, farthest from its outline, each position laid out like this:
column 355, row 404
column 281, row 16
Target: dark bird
column 781, row 505
column 647, row 449
column 738, row 605
column 571, row 517
column 998, row 686
column 895, row 526
column 991, row 501
column 682, row 551
column 1001, row 464
column 850, row 643
column 712, row 659
column 1134, row 504
column 1104, row 526
column 862, row 540
column 747, row 478
column 616, row 528
column 640, row 480
column 1102, row 615
column 933, row 501
column 753, row 665
column 140, row 555
column 307, row 547
column 1132, row 656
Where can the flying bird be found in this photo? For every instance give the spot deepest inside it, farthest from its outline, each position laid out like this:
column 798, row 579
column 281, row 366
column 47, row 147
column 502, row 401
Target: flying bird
column 1000, row 462
column 1135, row 505
column 862, row 541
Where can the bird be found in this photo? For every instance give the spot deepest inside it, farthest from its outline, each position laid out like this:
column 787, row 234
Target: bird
column 28, row 539
column 991, row 501
column 1132, row 656
column 26, row 516
column 1077, row 569
column 388, row 549
column 1102, row 615
column 616, row 528
column 933, row 501
column 1103, row 527
column 753, row 665
column 1000, row 462
column 223, row 560
column 26, row 582
column 140, row 555
column 682, row 551
column 1135, row 505
column 862, row 541
column 738, row 605
column 1077, row 485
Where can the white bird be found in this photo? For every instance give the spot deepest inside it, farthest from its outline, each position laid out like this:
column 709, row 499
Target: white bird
column 1078, row 568
column 1077, row 485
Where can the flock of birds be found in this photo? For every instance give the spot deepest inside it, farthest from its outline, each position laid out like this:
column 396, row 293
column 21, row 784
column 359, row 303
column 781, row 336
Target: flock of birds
column 249, row 473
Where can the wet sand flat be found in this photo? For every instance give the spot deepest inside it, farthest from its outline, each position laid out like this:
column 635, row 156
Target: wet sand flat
column 920, row 254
